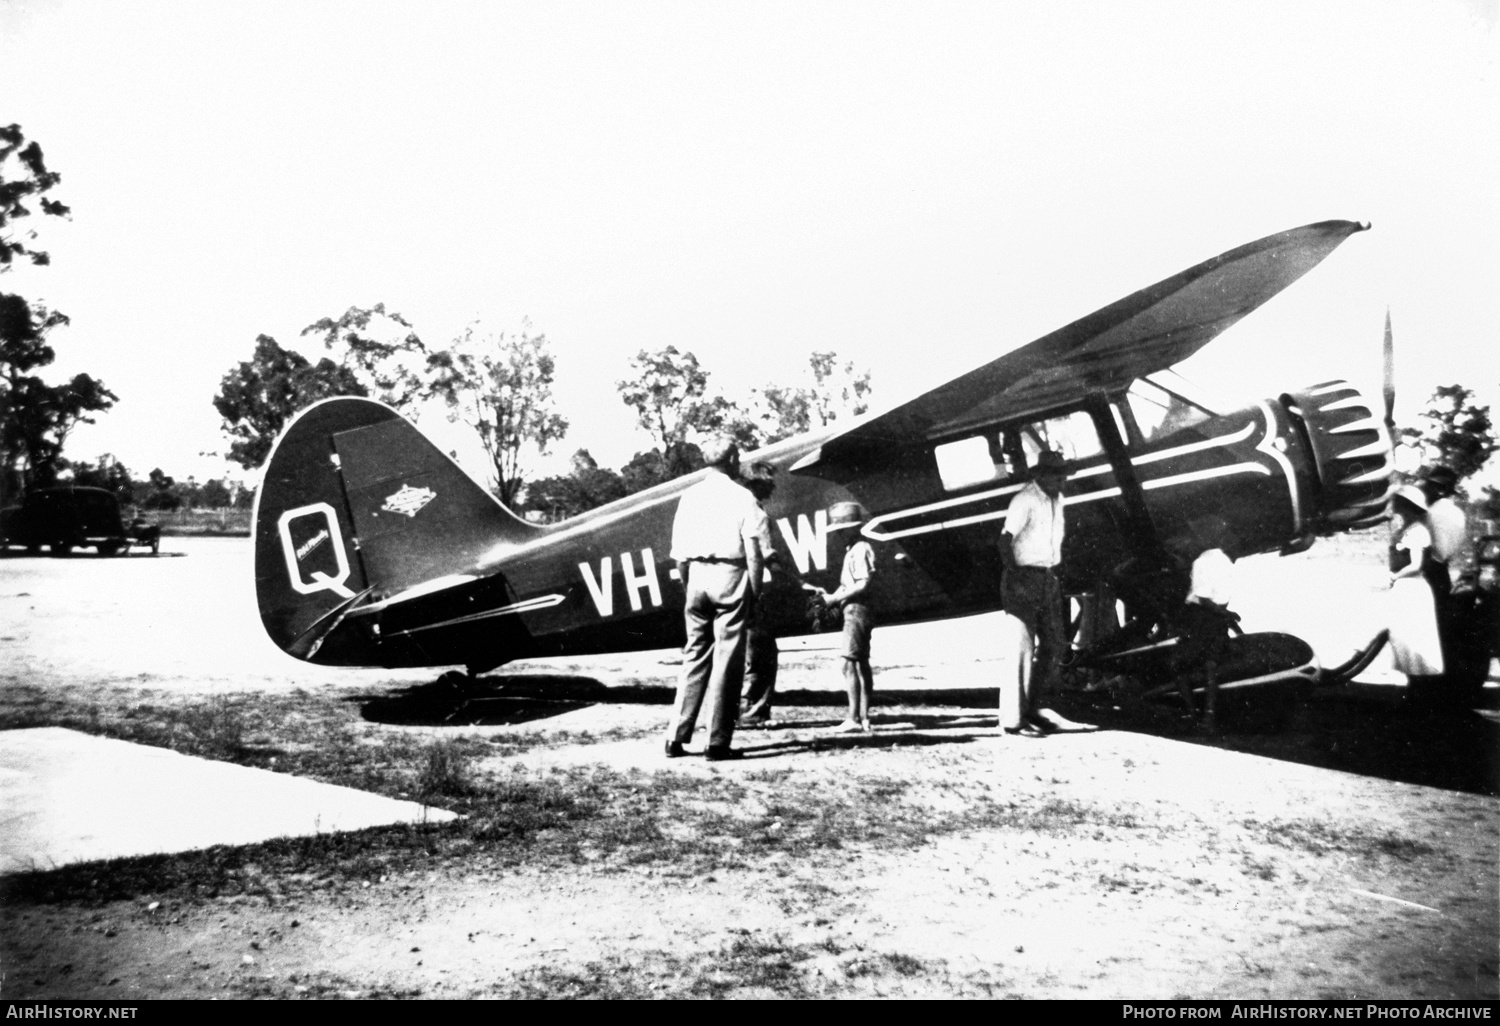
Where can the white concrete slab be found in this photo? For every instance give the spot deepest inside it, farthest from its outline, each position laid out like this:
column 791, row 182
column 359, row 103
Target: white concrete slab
column 68, row 797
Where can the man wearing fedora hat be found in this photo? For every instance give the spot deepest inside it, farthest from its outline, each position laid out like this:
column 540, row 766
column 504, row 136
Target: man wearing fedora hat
column 1030, row 550
column 1465, row 653
column 718, row 556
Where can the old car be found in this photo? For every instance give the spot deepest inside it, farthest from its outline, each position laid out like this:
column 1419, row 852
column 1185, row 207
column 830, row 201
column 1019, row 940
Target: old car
column 71, row 517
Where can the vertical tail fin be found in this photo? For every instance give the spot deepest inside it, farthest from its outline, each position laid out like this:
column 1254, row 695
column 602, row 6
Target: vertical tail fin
column 355, row 500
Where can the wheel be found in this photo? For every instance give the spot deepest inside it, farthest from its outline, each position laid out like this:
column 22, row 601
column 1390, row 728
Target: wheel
column 107, row 548
column 62, row 548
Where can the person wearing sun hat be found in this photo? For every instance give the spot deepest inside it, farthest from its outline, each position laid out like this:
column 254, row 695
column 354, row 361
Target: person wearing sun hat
column 1410, row 615
column 854, row 596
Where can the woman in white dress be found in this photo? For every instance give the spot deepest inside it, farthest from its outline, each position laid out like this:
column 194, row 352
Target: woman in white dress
column 1410, row 613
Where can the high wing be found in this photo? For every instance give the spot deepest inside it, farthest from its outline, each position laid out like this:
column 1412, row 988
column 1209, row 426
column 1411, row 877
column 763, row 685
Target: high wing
column 1141, row 334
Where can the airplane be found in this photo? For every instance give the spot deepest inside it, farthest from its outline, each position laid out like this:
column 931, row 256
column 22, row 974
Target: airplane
column 373, row 548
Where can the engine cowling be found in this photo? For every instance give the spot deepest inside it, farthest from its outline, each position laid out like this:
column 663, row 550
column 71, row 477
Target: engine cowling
column 1351, row 452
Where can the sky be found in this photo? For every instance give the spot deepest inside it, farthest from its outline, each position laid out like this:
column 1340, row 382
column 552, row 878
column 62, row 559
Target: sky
column 919, row 187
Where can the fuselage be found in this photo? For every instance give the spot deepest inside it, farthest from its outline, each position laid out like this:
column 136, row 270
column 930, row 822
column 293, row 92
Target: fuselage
column 1269, row 476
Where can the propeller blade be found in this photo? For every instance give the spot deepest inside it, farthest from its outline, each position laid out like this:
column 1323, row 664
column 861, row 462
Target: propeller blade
column 1388, row 384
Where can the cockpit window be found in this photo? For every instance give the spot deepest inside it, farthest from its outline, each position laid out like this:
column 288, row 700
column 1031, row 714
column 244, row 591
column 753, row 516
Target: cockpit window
column 1159, row 412
column 1003, row 455
column 1074, row 436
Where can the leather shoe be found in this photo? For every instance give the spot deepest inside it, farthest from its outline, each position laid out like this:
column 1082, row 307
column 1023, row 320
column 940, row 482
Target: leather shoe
column 675, row 750
column 723, row 754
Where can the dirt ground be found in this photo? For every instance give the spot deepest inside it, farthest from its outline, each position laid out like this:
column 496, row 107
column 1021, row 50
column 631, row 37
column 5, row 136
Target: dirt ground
column 1347, row 847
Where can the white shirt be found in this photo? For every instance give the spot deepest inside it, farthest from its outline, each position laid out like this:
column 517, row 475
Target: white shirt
column 1035, row 523
column 1213, row 578
column 1450, row 529
column 715, row 518
column 1414, row 539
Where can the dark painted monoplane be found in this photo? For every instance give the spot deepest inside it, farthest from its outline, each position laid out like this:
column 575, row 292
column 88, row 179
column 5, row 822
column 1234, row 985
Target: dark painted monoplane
column 372, row 548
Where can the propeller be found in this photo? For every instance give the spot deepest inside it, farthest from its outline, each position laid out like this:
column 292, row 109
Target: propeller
column 1388, row 382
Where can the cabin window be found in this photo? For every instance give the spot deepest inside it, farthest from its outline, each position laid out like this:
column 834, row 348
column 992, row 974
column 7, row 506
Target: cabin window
column 1159, row 412
column 966, row 462
column 1074, row 436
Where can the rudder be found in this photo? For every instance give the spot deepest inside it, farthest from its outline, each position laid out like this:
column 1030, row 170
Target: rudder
column 356, row 500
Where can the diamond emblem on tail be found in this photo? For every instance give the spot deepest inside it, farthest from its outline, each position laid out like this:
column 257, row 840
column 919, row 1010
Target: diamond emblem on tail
column 408, row 501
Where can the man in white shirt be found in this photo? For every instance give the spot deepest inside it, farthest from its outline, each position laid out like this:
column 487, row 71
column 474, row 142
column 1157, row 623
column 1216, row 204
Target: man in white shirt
column 1205, row 623
column 718, row 557
column 1031, row 549
column 1465, row 652
column 1449, row 527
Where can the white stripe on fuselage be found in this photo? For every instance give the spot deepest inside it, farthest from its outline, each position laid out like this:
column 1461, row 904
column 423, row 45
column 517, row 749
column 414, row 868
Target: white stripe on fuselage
column 873, row 530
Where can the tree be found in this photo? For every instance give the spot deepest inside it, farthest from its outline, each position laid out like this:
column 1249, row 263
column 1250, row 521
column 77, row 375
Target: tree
column 257, row 397
column 838, row 390
column 588, row 486
column 669, row 393
column 389, row 364
column 108, row 473
column 158, row 492
column 23, row 175
column 35, row 417
column 501, row 386
column 1458, row 433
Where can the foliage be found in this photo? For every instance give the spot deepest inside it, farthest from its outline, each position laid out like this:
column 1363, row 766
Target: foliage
column 35, row 417
column 669, row 393
column 1457, row 434
column 107, row 473
column 389, row 368
column 837, row 390
column 501, row 386
column 159, row 491
column 33, row 180
column 587, row 486
column 258, row 397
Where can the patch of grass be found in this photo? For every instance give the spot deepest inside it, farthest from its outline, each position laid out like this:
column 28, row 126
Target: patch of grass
column 691, row 823
column 1053, row 816
column 1318, row 838
column 445, row 772
column 214, row 729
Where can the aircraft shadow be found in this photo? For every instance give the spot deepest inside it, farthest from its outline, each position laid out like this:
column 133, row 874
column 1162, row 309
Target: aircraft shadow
column 507, row 699
column 1343, row 730
column 1372, row 735
column 756, row 750
column 454, row 700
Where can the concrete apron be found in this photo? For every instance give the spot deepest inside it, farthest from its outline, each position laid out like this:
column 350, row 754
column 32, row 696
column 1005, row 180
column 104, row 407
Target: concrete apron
column 67, row 797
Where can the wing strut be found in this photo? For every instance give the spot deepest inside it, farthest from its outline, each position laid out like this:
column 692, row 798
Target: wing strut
column 1141, row 538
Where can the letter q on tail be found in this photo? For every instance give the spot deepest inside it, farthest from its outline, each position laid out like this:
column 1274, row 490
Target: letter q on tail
column 314, row 548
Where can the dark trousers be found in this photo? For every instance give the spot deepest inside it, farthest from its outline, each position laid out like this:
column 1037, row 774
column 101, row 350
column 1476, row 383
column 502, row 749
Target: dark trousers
column 1032, row 595
column 762, row 659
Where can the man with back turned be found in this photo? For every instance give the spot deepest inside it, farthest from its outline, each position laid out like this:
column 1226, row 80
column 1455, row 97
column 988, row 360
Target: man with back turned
column 718, row 557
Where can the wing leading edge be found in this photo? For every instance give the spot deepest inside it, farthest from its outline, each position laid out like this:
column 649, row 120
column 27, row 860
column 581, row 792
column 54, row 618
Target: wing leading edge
column 1146, row 332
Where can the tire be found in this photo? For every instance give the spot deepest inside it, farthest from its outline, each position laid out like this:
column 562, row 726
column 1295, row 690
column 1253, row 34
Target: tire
column 62, row 549
column 108, row 548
